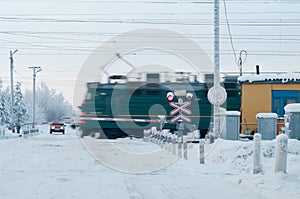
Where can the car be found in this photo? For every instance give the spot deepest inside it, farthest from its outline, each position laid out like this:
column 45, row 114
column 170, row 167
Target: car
column 57, row 127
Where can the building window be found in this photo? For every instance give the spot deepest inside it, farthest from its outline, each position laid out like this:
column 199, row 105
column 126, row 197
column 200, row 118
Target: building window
column 280, row 98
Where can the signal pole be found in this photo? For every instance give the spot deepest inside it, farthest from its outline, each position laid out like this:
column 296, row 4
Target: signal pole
column 12, row 88
column 35, row 70
column 217, row 62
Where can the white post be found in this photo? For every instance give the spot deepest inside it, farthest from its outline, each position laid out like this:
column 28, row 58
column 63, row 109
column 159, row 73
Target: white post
column 201, row 151
column 34, row 72
column 281, row 153
column 257, row 166
column 12, row 89
column 174, row 144
column 216, row 62
column 185, row 155
column 179, row 149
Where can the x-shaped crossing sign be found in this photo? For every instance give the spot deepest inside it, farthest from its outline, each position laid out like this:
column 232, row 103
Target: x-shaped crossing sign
column 180, row 108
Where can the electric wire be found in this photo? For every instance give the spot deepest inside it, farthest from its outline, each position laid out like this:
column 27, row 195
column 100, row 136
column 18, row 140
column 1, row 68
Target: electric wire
column 229, row 32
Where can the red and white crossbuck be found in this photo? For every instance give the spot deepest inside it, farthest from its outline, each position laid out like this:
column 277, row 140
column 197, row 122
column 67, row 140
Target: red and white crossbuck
column 180, row 108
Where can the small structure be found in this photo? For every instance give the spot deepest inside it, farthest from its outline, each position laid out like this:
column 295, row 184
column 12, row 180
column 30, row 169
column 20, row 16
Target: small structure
column 231, row 128
column 293, row 118
column 267, row 94
column 267, row 125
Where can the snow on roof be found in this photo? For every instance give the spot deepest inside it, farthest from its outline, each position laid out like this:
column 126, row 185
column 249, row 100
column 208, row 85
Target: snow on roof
column 233, row 113
column 290, row 108
column 266, row 115
column 270, row 77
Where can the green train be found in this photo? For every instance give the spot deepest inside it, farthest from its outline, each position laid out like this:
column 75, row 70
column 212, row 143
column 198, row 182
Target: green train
column 122, row 107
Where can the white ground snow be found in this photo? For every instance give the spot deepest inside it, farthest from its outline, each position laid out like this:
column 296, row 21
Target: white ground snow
column 59, row 166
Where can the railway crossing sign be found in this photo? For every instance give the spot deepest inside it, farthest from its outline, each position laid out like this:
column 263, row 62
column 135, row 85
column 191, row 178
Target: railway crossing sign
column 180, row 108
column 217, row 95
column 182, row 117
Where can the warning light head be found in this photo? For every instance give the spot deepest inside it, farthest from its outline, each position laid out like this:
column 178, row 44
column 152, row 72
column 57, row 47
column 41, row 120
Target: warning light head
column 189, row 96
column 170, row 96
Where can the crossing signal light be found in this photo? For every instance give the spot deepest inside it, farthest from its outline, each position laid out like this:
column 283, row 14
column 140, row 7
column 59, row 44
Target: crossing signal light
column 170, row 96
column 189, row 96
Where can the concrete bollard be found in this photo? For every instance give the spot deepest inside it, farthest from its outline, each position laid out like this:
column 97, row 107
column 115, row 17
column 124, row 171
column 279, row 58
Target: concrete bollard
column 281, row 153
column 174, row 144
column 179, row 149
column 185, row 155
column 257, row 166
column 169, row 139
column 201, row 150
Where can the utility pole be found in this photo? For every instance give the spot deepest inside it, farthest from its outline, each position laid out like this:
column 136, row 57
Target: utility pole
column 216, row 62
column 35, row 70
column 12, row 88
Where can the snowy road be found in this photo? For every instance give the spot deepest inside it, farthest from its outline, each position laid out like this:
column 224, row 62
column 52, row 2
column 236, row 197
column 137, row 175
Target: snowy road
column 58, row 166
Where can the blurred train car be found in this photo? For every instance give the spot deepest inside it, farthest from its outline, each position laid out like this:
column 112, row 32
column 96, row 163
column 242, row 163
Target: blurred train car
column 123, row 107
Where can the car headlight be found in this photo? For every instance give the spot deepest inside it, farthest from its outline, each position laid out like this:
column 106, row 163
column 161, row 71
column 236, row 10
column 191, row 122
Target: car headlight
column 52, row 127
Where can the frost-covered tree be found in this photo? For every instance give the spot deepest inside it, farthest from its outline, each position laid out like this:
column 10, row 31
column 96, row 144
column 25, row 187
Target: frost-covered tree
column 19, row 108
column 50, row 105
column 55, row 105
column 39, row 111
column 4, row 108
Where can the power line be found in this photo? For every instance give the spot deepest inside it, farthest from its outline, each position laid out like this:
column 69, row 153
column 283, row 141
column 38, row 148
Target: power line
column 150, row 1
column 229, row 32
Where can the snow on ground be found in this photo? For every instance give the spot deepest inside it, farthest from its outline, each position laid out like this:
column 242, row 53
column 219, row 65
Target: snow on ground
column 6, row 134
column 60, row 166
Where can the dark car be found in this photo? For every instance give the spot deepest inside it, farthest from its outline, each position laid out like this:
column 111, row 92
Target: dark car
column 57, row 127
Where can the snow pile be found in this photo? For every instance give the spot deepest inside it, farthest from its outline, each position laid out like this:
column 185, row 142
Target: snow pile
column 290, row 108
column 233, row 113
column 238, row 154
column 266, row 115
column 6, row 134
column 270, row 77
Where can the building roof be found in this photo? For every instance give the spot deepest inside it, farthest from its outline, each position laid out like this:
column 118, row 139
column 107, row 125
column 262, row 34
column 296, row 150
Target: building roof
column 271, row 78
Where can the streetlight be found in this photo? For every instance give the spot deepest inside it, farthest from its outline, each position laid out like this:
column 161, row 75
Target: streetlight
column 12, row 88
column 35, row 70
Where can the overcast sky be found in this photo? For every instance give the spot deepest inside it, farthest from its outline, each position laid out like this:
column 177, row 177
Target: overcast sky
column 59, row 35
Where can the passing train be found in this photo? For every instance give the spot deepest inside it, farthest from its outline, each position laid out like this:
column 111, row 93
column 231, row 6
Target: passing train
column 122, row 106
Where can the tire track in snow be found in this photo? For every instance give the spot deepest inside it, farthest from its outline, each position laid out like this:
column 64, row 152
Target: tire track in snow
column 133, row 191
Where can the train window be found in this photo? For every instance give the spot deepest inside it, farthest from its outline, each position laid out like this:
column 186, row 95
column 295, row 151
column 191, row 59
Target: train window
column 153, row 93
column 137, row 92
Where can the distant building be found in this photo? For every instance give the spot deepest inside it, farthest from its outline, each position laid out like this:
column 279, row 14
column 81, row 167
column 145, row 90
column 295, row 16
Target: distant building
column 269, row 94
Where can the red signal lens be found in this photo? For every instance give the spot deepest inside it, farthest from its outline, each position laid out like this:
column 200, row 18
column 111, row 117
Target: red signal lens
column 170, row 98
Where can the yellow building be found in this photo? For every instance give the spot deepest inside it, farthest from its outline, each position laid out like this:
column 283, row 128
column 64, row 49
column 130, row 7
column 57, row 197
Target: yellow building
column 267, row 94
